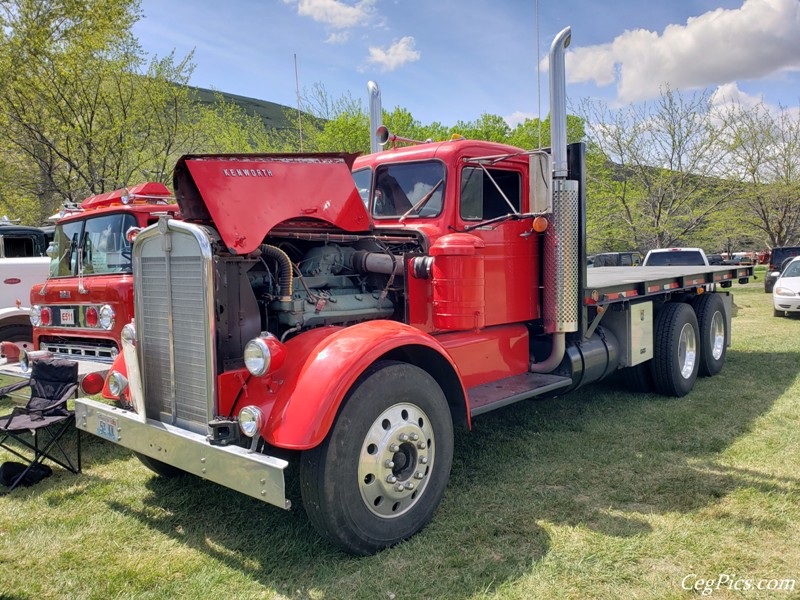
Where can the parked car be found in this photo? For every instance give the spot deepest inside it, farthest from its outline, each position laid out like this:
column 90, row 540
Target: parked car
column 777, row 261
column 617, row 259
column 715, row 259
column 786, row 291
column 673, row 257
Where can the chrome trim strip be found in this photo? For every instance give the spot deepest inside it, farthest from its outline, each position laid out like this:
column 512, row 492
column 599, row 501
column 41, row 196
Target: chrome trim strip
column 257, row 475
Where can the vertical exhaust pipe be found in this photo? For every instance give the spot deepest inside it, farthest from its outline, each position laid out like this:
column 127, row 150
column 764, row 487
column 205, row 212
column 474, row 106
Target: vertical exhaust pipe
column 561, row 250
column 375, row 116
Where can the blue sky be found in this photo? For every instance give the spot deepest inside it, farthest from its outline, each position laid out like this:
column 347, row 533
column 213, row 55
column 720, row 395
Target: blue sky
column 450, row 60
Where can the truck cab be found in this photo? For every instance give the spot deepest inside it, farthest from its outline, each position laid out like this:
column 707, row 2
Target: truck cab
column 79, row 311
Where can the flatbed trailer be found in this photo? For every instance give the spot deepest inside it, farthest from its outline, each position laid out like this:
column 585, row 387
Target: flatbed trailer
column 614, row 284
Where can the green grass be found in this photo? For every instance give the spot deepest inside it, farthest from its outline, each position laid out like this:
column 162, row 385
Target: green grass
column 602, row 494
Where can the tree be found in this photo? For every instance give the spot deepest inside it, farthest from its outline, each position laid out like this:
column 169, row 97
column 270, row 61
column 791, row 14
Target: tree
column 82, row 113
column 664, row 170
column 765, row 148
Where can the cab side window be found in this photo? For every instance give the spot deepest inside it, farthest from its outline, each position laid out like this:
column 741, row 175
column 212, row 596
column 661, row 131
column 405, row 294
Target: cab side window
column 480, row 197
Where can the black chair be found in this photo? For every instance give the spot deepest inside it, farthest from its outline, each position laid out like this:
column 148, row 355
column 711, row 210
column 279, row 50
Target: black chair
column 45, row 418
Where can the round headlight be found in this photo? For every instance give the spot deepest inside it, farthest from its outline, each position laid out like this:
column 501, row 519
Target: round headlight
column 129, row 334
column 106, row 317
column 257, row 357
column 117, row 383
column 36, row 315
column 250, row 420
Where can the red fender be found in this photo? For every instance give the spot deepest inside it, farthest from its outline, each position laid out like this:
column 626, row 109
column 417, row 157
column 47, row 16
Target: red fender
column 321, row 367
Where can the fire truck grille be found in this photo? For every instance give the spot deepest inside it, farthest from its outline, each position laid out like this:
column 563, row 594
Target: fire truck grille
column 174, row 344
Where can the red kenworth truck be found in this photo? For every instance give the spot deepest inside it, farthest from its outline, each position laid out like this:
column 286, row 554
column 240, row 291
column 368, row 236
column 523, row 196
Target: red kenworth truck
column 80, row 310
column 296, row 319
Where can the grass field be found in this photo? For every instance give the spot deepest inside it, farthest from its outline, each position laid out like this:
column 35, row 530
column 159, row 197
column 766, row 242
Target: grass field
column 601, row 494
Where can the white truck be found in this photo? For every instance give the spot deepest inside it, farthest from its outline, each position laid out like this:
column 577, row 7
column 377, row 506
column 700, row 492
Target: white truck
column 23, row 263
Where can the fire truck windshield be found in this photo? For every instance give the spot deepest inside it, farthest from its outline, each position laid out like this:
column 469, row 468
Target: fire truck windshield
column 91, row 246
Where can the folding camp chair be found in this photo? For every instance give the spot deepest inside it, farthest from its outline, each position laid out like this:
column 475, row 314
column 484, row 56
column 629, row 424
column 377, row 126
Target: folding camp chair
column 45, row 418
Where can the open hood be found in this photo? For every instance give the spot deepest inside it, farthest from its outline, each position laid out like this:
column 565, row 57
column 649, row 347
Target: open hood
column 247, row 195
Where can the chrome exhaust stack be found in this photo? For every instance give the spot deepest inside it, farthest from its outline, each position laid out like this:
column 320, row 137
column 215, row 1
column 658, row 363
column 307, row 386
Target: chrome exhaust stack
column 561, row 243
column 375, row 116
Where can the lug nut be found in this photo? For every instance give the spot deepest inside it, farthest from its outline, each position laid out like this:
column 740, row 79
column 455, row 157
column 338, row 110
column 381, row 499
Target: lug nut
column 389, row 464
column 418, row 475
column 399, row 487
column 394, row 448
column 421, row 445
column 391, row 479
column 423, row 460
column 414, row 437
column 409, row 485
column 403, row 437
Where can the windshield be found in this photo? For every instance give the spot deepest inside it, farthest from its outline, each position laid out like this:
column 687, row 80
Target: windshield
column 362, row 179
column 94, row 245
column 399, row 187
column 793, row 270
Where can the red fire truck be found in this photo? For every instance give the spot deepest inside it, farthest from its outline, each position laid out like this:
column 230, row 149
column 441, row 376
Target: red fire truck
column 80, row 310
column 296, row 320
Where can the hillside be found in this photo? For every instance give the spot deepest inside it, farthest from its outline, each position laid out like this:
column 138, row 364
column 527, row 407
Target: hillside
column 273, row 115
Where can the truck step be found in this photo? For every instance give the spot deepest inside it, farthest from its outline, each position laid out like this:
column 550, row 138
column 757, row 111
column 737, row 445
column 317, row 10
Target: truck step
column 489, row 396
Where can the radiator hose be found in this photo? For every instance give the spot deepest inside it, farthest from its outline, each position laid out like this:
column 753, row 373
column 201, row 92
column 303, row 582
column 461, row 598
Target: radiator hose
column 285, row 277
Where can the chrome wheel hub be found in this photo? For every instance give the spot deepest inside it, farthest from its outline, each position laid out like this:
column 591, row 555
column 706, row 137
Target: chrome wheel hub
column 717, row 335
column 395, row 461
column 687, row 351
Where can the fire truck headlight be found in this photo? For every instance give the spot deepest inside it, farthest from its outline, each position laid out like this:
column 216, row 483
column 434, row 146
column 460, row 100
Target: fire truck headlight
column 36, row 315
column 117, row 383
column 264, row 354
column 129, row 334
column 106, row 317
column 250, row 420
column 257, row 357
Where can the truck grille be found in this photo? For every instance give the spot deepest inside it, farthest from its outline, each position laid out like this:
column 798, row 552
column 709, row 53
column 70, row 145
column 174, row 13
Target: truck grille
column 174, row 329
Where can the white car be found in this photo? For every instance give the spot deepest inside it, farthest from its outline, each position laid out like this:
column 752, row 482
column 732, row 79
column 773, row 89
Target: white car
column 786, row 293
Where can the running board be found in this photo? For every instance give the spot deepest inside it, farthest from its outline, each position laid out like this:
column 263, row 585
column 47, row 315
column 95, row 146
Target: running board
column 490, row 396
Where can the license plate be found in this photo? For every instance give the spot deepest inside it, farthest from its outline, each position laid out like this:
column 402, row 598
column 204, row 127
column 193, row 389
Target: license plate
column 107, row 427
column 67, row 316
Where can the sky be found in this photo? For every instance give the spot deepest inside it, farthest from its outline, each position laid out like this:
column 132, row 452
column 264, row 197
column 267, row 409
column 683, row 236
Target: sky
column 454, row 60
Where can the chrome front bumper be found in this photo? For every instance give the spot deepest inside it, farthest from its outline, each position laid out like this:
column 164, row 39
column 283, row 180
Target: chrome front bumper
column 256, row 475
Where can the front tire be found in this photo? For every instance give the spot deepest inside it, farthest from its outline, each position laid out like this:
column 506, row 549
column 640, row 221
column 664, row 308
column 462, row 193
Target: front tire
column 713, row 326
column 21, row 335
column 778, row 313
column 161, row 469
column 380, row 473
column 675, row 358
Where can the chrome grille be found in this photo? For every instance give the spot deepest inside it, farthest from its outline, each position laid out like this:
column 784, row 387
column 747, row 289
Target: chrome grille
column 173, row 327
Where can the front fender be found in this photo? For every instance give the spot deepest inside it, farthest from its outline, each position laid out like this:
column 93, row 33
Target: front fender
column 322, row 366
column 17, row 314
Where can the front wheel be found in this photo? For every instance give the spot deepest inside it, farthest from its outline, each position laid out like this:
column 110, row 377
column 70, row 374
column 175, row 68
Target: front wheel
column 675, row 357
column 778, row 313
column 160, row 468
column 21, row 335
column 379, row 475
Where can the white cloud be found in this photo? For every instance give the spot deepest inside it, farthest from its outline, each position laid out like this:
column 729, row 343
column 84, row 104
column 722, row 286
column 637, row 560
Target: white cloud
column 395, row 56
column 760, row 39
column 730, row 93
column 335, row 13
column 517, row 118
column 338, row 38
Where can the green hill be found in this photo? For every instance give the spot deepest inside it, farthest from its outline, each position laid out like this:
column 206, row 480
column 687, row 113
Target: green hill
column 273, row 115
